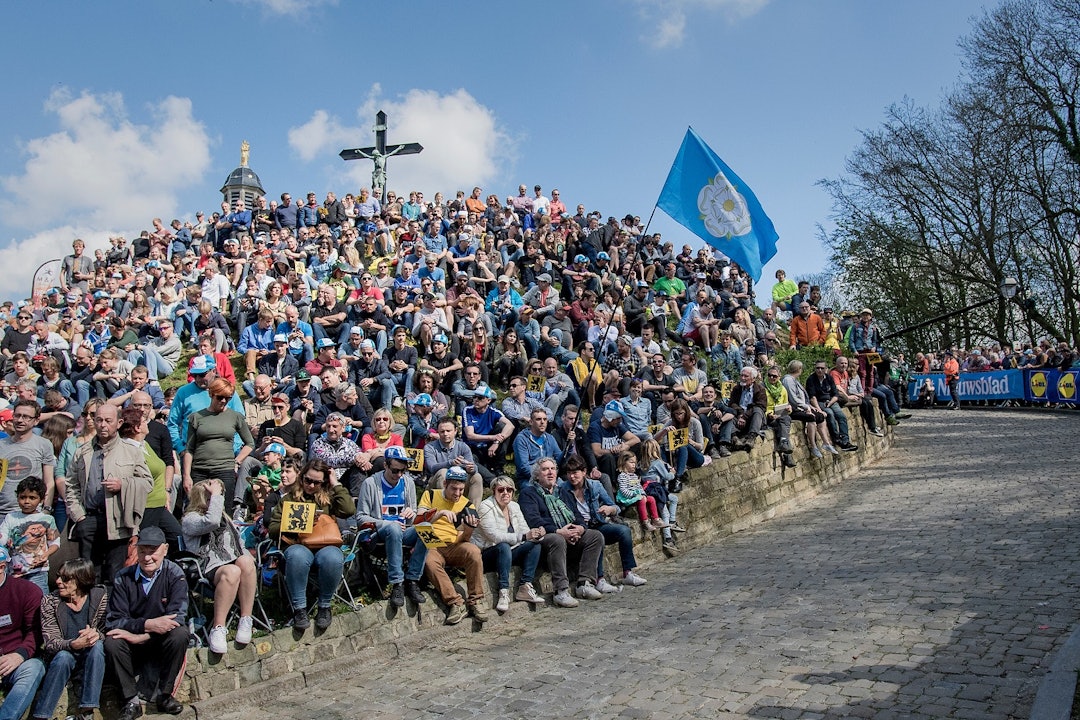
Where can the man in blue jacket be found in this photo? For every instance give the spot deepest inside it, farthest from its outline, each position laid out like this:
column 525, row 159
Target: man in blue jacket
column 147, row 625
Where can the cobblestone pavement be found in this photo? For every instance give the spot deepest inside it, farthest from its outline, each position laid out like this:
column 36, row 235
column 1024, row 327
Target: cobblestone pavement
column 936, row 585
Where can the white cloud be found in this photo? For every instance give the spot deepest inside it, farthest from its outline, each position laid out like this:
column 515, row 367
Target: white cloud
column 288, row 7
column 668, row 18
column 22, row 257
column 463, row 143
column 100, row 170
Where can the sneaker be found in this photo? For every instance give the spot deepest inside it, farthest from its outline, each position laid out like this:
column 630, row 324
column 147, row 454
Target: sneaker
column 892, row 420
column 588, row 591
column 217, row 640
column 659, row 524
column 564, row 599
column 412, row 590
column 243, row 630
column 849, row 447
column 647, row 526
column 456, row 614
column 723, row 451
column 830, row 449
column 503, row 603
column 714, row 453
column 676, row 527
column 397, row 595
column 132, row 710
column 633, row 579
column 902, row 416
column 877, row 432
column 605, row 587
column 785, row 446
column 397, row 402
column 707, row 460
column 240, row 515
column 323, row 618
column 670, row 548
column 787, row 461
column 300, row 619
column 527, row 593
column 816, row 451
column 478, row 612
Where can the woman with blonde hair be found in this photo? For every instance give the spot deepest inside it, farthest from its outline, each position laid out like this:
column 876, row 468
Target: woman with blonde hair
column 212, row 536
column 210, row 451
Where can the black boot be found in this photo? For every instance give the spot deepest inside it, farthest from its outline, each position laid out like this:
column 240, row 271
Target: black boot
column 412, row 591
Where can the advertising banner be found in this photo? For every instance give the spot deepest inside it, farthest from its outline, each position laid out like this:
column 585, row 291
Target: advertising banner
column 995, row 385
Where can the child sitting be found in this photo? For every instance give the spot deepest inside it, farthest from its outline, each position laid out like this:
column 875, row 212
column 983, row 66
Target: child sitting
column 30, row 535
column 632, row 493
column 657, row 481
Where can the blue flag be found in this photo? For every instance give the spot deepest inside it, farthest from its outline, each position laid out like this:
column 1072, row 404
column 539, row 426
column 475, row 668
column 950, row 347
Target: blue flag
column 706, row 197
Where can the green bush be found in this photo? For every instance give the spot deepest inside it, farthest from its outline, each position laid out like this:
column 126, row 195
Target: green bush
column 808, row 356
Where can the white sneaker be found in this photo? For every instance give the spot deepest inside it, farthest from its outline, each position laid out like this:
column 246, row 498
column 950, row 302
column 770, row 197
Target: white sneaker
column 565, row 599
column 605, row 587
column 217, row 640
column 633, row 579
column 527, row 593
column 830, row 449
column 706, row 461
column 588, row 591
column 243, row 630
column 397, row 401
column 503, row 603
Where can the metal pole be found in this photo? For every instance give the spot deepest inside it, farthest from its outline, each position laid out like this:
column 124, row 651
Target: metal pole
column 939, row 318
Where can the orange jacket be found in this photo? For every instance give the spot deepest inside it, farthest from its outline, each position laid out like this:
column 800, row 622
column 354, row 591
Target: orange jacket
column 810, row 331
column 952, row 369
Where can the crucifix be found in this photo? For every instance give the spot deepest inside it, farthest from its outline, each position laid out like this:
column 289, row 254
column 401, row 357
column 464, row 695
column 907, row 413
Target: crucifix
column 379, row 153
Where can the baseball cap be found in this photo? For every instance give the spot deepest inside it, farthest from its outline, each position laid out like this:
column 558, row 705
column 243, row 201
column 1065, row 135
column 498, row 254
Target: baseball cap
column 324, row 343
column 202, row 364
column 276, row 448
column 279, row 397
column 440, row 338
column 613, row 410
column 152, row 535
column 422, row 399
column 602, row 256
column 395, row 452
column 302, row 375
column 356, row 330
column 456, row 472
column 99, row 295
column 4, row 555
column 504, row 278
column 543, row 277
column 367, row 345
column 485, row 391
column 281, row 338
column 581, row 259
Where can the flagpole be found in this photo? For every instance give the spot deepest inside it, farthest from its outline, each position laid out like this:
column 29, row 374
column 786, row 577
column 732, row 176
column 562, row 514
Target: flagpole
column 645, row 232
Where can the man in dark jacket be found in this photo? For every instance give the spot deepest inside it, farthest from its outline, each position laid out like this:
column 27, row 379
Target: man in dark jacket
column 749, row 402
column 565, row 534
column 147, row 621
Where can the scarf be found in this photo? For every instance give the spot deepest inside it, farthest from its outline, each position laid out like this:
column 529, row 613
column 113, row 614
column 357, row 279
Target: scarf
column 560, row 514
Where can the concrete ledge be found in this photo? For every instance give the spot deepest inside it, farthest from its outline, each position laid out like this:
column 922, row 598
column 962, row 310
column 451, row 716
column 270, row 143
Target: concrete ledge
column 1057, row 690
column 727, row 496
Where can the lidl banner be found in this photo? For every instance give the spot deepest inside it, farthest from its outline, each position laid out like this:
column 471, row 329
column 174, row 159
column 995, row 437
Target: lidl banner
column 1054, row 386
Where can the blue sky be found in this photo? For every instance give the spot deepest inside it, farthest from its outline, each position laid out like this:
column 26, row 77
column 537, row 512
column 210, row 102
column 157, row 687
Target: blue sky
column 123, row 111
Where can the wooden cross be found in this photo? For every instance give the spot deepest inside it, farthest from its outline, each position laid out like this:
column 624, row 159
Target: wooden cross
column 379, row 153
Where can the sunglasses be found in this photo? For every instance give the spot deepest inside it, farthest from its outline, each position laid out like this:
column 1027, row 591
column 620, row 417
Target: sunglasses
column 504, row 490
column 316, row 483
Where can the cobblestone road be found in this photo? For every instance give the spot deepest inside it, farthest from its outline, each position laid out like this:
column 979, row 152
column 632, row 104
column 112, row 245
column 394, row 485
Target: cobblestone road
column 937, row 585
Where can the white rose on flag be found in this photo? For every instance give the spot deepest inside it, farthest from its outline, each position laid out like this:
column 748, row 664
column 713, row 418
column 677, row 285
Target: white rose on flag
column 723, row 209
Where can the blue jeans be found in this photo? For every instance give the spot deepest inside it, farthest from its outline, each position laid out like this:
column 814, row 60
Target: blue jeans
column 20, row 687
column 403, row 381
column 501, row 557
column 82, row 392
column 381, row 394
column 328, row 562
column 687, row 455
column 395, row 538
column 667, row 512
column 886, row 400
column 836, row 419
column 157, row 366
column 616, row 533
column 92, row 661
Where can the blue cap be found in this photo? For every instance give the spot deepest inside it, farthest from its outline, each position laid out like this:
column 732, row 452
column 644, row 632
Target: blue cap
column 581, row 259
column 613, row 409
column 99, row 295
column 642, row 284
column 281, row 338
column 369, row 227
column 440, row 338
column 456, row 472
column 603, row 256
column 395, row 452
column 276, row 448
column 324, row 343
column 4, row 555
column 422, row 399
column 485, row 391
column 201, row 364
column 153, row 264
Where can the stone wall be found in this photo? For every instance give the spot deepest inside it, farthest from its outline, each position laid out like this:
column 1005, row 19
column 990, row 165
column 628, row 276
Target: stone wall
column 729, row 495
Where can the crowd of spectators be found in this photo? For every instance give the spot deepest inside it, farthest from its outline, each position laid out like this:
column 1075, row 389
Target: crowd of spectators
column 596, row 360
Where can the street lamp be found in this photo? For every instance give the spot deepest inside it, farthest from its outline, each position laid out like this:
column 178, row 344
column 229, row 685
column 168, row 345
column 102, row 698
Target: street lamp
column 1007, row 290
